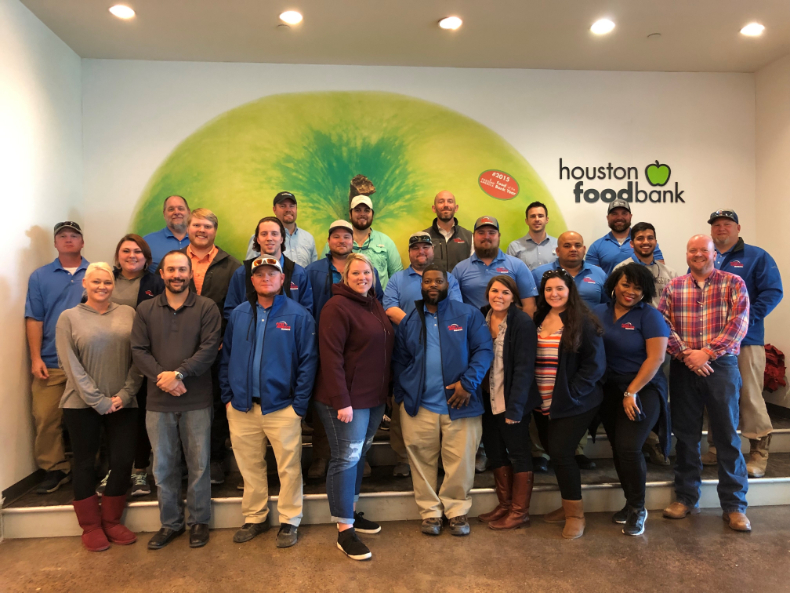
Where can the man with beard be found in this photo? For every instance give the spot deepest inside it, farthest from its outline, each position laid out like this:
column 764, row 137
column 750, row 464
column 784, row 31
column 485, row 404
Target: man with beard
column 267, row 372
column 377, row 246
column 443, row 351
column 174, row 235
column 537, row 247
column 488, row 261
column 175, row 340
column 452, row 243
column 322, row 274
column 611, row 249
column 403, row 290
column 643, row 242
column 299, row 244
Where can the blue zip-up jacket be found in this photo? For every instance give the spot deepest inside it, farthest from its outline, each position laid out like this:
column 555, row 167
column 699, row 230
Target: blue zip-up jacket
column 763, row 282
column 467, row 353
column 297, row 287
column 319, row 274
column 290, row 357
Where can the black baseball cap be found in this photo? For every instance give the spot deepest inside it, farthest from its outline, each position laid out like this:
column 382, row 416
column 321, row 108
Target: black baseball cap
column 282, row 196
column 723, row 214
column 67, row 224
column 421, row 237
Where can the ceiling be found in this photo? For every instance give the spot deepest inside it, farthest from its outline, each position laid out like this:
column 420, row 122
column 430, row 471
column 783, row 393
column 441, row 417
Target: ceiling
column 696, row 35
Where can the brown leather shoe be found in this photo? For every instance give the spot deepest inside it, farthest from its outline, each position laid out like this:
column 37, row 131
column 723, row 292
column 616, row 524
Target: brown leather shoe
column 518, row 516
column 737, row 521
column 503, row 483
column 574, row 519
column 757, row 460
column 557, row 516
column 677, row 510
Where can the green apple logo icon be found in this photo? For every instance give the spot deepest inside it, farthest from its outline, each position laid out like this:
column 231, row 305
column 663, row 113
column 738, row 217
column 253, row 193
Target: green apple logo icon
column 657, row 174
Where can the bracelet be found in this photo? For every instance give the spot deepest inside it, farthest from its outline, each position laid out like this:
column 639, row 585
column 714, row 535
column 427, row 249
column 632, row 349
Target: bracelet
column 629, row 394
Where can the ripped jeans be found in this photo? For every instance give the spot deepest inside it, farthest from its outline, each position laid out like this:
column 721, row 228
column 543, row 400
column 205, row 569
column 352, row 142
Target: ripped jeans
column 348, row 444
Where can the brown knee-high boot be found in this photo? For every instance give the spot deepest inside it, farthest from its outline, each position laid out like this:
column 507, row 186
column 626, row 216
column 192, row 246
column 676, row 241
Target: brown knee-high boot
column 503, row 482
column 519, row 507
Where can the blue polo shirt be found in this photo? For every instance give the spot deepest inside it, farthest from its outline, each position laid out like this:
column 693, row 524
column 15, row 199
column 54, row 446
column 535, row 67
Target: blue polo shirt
column 405, row 287
column 473, row 276
column 607, row 252
column 50, row 291
column 624, row 339
column 257, row 354
column 433, row 392
column 161, row 243
column 534, row 254
column 589, row 281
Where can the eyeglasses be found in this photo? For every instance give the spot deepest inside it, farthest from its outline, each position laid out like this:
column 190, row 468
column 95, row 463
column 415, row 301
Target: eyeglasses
column 265, row 261
column 727, row 213
column 68, row 224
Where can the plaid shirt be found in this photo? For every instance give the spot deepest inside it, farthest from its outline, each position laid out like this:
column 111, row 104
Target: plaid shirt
column 714, row 318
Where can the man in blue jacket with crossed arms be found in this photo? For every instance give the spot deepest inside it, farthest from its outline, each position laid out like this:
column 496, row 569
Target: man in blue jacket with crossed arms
column 442, row 353
column 269, row 361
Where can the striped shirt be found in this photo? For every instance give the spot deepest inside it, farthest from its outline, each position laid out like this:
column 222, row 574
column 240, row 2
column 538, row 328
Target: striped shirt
column 714, row 318
column 546, row 367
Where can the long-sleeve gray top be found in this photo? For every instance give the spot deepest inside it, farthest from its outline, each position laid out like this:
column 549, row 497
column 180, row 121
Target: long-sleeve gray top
column 185, row 340
column 95, row 353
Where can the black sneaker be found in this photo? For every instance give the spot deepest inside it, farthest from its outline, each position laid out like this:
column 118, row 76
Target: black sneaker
column 52, row 481
column 585, row 462
column 621, row 516
column 349, row 543
column 250, row 530
column 217, row 473
column 287, row 536
column 636, row 521
column 363, row 525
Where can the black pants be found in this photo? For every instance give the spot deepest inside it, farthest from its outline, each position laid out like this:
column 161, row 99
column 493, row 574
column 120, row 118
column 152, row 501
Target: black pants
column 559, row 437
column 506, row 444
column 220, row 432
column 85, row 429
column 627, row 437
column 142, row 455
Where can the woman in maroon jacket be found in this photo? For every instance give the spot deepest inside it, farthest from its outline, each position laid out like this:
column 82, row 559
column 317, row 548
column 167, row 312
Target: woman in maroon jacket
column 355, row 341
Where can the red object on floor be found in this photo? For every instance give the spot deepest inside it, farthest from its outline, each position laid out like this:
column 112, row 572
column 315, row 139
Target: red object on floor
column 775, row 368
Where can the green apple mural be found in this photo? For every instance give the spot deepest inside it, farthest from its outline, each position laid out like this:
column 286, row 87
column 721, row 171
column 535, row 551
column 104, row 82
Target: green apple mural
column 312, row 144
column 657, row 174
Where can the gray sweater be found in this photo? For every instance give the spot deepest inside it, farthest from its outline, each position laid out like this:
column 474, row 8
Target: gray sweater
column 95, row 352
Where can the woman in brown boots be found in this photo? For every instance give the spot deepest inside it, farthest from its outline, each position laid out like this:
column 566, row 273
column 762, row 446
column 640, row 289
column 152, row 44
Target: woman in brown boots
column 506, row 391
column 570, row 365
column 94, row 349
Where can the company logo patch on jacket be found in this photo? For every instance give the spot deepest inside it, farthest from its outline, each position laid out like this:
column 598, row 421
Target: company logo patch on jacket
column 283, row 326
column 589, row 280
column 503, row 270
column 455, row 328
column 736, row 264
column 628, row 326
column 458, row 240
column 294, row 286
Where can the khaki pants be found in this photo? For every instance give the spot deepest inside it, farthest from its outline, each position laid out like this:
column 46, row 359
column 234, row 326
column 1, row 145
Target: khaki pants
column 426, row 435
column 396, row 434
column 249, row 433
column 49, row 451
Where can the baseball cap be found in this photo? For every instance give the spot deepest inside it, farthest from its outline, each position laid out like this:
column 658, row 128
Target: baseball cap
column 486, row 221
column 361, row 200
column 282, row 196
column 729, row 213
column 421, row 237
column 341, row 224
column 265, row 261
column 618, row 203
column 67, row 224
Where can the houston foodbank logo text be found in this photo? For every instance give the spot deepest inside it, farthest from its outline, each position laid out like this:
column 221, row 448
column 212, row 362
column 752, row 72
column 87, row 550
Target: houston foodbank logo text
column 656, row 174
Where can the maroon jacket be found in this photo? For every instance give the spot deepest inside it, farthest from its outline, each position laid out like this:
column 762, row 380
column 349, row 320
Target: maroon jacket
column 355, row 341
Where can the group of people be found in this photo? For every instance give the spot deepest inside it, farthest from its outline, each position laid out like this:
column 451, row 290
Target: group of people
column 178, row 346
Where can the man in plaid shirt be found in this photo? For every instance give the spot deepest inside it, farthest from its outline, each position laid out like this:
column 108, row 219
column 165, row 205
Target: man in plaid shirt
column 708, row 313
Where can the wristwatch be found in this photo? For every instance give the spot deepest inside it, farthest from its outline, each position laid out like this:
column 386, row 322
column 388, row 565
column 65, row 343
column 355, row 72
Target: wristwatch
column 179, row 376
column 628, row 394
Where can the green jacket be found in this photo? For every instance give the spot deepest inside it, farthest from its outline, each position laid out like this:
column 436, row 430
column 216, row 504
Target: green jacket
column 381, row 250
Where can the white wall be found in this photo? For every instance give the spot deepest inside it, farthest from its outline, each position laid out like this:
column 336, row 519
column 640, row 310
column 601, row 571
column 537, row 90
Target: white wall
column 773, row 192
column 40, row 184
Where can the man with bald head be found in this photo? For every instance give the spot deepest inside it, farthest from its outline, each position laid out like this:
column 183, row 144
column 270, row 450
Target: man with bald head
column 589, row 278
column 708, row 314
column 451, row 242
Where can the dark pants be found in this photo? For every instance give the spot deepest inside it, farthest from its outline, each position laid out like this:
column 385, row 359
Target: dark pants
column 220, row 432
column 560, row 437
column 85, row 430
column 506, row 444
column 142, row 455
column 719, row 393
column 627, row 436
column 319, row 440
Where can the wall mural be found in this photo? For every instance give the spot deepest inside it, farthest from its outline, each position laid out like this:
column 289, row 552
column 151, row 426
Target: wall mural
column 312, row 144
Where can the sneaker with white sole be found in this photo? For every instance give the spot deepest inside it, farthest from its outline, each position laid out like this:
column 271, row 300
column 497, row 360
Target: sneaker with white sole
column 363, row 525
column 140, row 485
column 349, row 543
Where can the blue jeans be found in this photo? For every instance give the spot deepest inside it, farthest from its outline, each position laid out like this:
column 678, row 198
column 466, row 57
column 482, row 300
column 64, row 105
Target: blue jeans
column 192, row 431
column 718, row 393
column 348, row 445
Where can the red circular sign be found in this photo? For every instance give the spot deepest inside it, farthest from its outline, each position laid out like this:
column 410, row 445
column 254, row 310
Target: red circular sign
column 498, row 184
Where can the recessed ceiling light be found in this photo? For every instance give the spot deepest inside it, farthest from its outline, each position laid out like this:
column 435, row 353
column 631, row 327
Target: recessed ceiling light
column 122, row 12
column 753, row 30
column 451, row 22
column 602, row 27
column 291, row 17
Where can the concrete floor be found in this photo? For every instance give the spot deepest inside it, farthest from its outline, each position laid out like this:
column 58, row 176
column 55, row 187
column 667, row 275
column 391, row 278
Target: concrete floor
column 698, row 554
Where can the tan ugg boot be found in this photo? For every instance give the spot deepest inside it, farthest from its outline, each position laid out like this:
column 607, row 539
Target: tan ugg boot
column 574, row 519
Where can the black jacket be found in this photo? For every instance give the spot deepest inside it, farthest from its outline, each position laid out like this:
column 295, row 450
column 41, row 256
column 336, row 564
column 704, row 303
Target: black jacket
column 518, row 355
column 448, row 253
column 217, row 280
column 577, row 388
